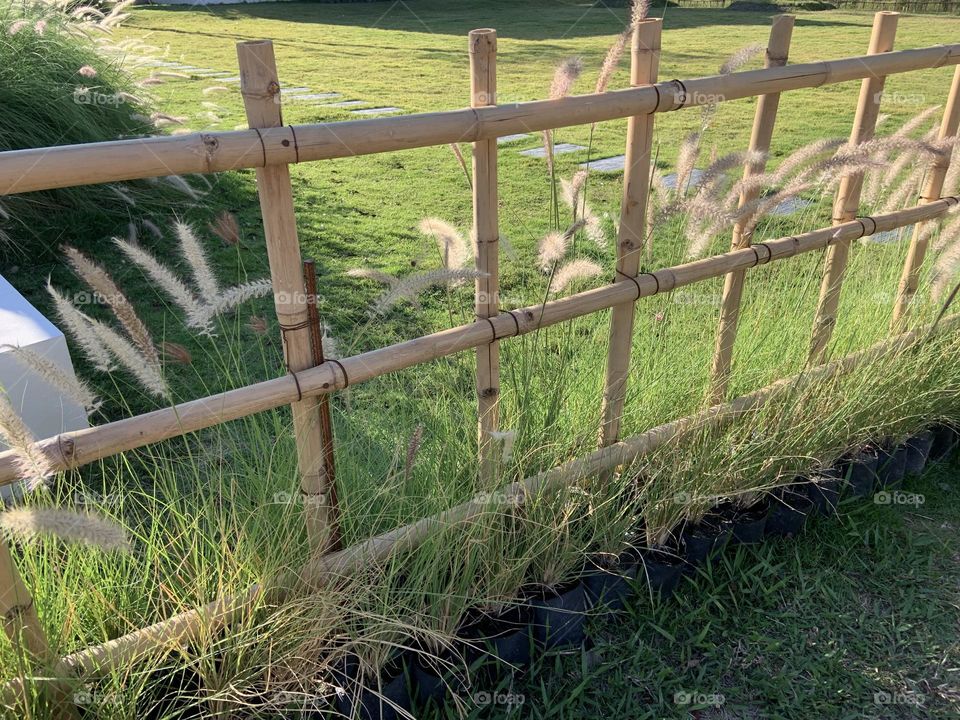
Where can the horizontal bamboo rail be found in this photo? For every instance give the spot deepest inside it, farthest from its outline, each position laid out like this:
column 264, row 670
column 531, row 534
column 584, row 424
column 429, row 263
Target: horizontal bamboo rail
column 80, row 447
column 326, row 570
column 89, row 164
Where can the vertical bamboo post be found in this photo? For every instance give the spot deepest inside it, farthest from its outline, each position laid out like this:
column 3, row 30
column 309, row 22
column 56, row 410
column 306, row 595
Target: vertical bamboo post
column 847, row 202
column 778, row 48
column 323, row 401
column 483, row 92
column 644, row 66
column 260, row 89
column 22, row 625
column 931, row 192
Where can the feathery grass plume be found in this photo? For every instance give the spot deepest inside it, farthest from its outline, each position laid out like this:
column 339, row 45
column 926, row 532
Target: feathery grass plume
column 612, row 60
column 164, row 277
column 32, row 464
column 107, row 291
column 375, row 275
column 753, row 212
column 454, row 251
column 227, row 300
column 215, row 88
column 150, row 81
column 553, row 246
column 686, row 159
column 152, row 227
column 26, row 524
column 413, row 449
column 593, row 227
column 226, row 228
column 564, row 77
column 183, row 186
column 258, row 324
column 331, row 347
column 717, row 170
column 916, row 121
column 175, row 352
column 409, row 287
column 949, row 233
column 131, row 359
column 571, row 192
column 579, row 269
column 639, row 11
column 507, row 440
column 160, row 119
column 193, row 253
column 68, row 383
column 740, row 58
column 951, row 181
column 78, row 324
column 121, row 193
column 911, row 187
column 804, row 156
column 944, row 270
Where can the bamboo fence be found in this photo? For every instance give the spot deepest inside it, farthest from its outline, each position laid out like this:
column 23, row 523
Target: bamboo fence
column 270, row 147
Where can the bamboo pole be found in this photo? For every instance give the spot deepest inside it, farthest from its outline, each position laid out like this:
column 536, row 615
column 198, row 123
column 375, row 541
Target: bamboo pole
column 765, row 117
column 115, row 161
column 328, row 569
column 848, row 195
column 79, row 447
column 483, row 93
column 260, row 89
column 644, row 66
column 22, row 626
column 323, row 401
column 938, row 172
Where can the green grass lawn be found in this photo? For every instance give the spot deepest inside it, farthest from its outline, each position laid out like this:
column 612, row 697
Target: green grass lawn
column 794, row 630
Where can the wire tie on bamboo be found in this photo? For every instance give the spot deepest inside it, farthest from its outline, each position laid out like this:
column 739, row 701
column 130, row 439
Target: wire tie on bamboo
column 296, row 381
column 15, row 611
column 632, row 279
column 683, row 94
column 655, row 279
column 263, row 147
column 872, row 230
column 765, row 260
column 296, row 145
column 656, row 108
column 346, row 378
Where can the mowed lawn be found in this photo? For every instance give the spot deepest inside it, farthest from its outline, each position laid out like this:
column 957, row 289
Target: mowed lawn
column 813, row 628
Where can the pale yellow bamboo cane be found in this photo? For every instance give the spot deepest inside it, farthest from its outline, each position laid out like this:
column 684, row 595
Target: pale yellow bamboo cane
column 80, row 447
column 22, row 626
column 764, row 119
column 848, row 195
column 644, row 66
column 918, row 244
column 483, row 93
column 321, row 571
column 88, row 164
column 260, row 89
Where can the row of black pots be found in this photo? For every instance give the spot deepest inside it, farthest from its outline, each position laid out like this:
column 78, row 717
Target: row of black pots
column 550, row 619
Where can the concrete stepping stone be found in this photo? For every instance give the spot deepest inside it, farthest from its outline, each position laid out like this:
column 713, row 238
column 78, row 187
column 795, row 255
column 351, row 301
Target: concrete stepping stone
column 294, row 90
column 559, row 149
column 610, row 164
column 234, row 79
column 790, row 206
column 511, row 138
column 888, row 237
column 315, row 96
column 670, row 181
column 347, row 103
column 376, row 111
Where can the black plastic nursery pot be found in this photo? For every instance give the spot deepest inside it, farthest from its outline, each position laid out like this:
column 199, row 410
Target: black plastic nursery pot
column 559, row 615
column 918, row 450
column 699, row 541
column 499, row 642
column 860, row 472
column 661, row 570
column 789, row 509
column 891, row 467
column 374, row 698
column 824, row 490
column 945, row 441
column 749, row 524
column 611, row 585
column 433, row 678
